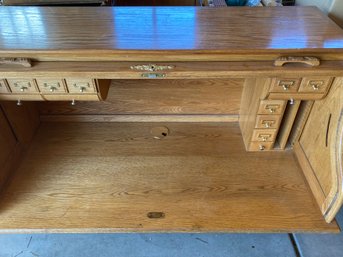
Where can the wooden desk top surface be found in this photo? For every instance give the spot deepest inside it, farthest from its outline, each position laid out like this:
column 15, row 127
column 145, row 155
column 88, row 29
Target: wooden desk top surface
column 83, row 31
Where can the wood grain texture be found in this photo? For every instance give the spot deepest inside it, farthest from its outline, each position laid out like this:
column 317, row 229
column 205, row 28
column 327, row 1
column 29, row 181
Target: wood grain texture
column 86, row 177
column 321, row 142
column 253, row 92
column 182, row 70
column 24, row 120
column 156, row 3
column 159, row 97
column 8, row 143
column 287, row 124
column 74, row 33
column 139, row 118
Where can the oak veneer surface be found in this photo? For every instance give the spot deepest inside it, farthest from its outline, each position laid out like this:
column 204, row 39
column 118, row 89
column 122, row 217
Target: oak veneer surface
column 211, row 96
column 97, row 32
column 108, row 177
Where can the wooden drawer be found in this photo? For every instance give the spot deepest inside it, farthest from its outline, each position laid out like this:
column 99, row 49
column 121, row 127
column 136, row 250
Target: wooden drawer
column 272, row 107
column 264, row 135
column 3, row 87
column 285, row 85
column 23, row 86
column 268, row 121
column 261, row 146
column 315, row 85
column 80, row 85
column 51, row 86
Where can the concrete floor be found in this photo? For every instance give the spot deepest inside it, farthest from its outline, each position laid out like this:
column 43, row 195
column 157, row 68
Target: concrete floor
column 170, row 245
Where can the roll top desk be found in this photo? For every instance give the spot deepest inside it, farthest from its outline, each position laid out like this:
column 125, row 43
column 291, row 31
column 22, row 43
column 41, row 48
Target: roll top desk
column 183, row 119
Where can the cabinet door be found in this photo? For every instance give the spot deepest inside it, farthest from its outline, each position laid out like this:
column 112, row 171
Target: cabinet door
column 319, row 151
column 7, row 146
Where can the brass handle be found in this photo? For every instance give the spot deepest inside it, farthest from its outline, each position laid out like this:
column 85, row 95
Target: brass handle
column 82, row 89
column 153, row 75
column 22, row 89
column 152, row 67
column 268, row 123
column 311, row 61
column 264, row 137
column 316, row 84
column 261, row 147
column 286, row 84
column 17, row 61
column 272, row 107
column 53, row 89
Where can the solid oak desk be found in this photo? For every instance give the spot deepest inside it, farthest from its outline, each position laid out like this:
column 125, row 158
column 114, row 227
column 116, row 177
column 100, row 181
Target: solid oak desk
column 170, row 119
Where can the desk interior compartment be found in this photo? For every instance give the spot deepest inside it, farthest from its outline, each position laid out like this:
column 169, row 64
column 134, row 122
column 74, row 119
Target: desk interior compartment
column 118, row 176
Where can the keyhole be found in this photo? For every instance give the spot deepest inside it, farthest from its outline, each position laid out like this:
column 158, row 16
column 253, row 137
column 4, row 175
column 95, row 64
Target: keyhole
column 159, row 132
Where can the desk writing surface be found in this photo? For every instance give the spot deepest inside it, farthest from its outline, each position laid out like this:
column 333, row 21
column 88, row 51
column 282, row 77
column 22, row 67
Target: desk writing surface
column 112, row 30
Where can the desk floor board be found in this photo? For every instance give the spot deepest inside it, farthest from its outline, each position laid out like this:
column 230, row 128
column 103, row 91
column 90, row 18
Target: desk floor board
column 108, row 177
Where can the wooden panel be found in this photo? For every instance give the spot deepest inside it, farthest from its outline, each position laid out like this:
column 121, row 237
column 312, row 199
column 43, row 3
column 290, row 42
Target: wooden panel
column 24, row 120
column 140, row 118
column 198, row 30
column 181, row 70
column 160, row 97
column 321, row 142
column 254, row 90
column 8, row 144
column 156, row 3
column 86, row 177
column 287, row 124
column 4, row 87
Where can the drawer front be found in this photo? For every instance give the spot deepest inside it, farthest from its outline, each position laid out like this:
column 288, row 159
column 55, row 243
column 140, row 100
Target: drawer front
column 83, row 86
column 261, row 146
column 285, row 85
column 315, row 85
column 51, row 86
column 264, row 135
column 272, row 107
column 22, row 86
column 3, row 87
column 268, row 121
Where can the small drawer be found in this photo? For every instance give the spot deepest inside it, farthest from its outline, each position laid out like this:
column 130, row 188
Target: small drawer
column 268, row 121
column 22, row 86
column 285, row 85
column 51, row 86
column 272, row 107
column 84, row 86
column 264, row 135
column 315, row 85
column 3, row 87
column 261, row 146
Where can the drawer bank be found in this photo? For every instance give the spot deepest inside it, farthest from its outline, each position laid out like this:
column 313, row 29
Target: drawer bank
column 189, row 119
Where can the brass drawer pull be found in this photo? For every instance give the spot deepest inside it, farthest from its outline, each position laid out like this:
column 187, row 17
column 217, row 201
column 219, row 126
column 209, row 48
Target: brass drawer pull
column 286, row 85
column 153, row 75
column 17, row 61
column 268, row 123
column 152, row 67
column 316, row 85
column 272, row 107
column 23, row 89
column 311, row 61
column 264, row 137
